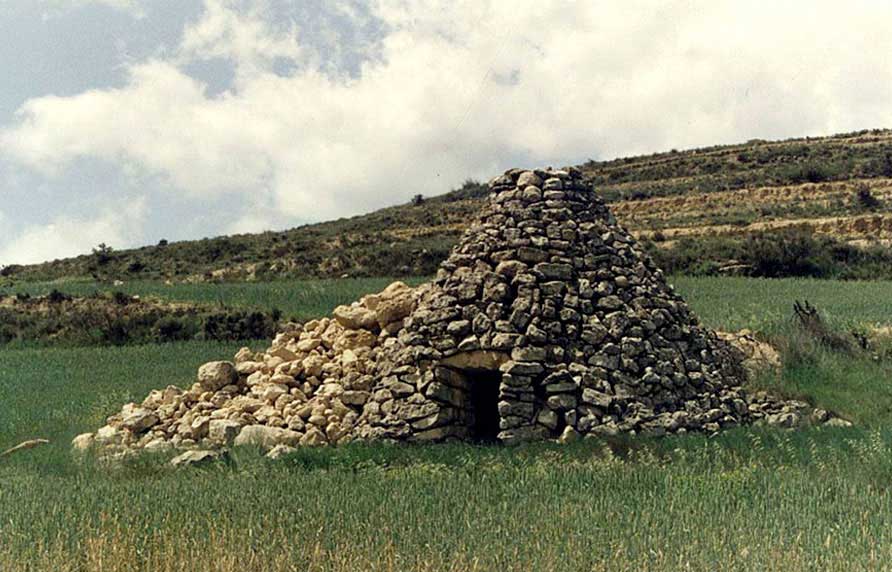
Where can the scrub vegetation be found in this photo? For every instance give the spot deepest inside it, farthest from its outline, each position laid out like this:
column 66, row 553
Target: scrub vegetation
column 837, row 188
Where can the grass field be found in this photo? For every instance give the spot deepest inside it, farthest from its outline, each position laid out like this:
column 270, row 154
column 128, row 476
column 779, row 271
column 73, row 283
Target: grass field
column 749, row 499
column 767, row 304
column 299, row 299
column 729, row 303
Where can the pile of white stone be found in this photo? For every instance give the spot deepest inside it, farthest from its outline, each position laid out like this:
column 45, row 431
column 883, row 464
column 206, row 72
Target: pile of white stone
column 308, row 388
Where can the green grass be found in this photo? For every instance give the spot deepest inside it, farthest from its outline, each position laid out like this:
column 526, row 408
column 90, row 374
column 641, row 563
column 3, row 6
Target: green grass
column 766, row 303
column 743, row 501
column 300, row 299
column 727, row 303
column 56, row 393
column 748, row 499
column 858, row 389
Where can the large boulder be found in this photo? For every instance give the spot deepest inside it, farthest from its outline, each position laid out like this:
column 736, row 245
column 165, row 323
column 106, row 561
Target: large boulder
column 223, row 430
column 280, row 451
column 83, row 442
column 138, row 419
column 759, row 358
column 197, row 458
column 108, row 435
column 216, row 375
column 527, row 179
column 159, row 398
column 266, row 437
column 356, row 317
column 314, row 437
column 395, row 303
column 354, row 339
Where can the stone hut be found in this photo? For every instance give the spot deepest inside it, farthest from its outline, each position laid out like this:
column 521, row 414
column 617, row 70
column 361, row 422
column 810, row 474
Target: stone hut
column 548, row 316
column 547, row 320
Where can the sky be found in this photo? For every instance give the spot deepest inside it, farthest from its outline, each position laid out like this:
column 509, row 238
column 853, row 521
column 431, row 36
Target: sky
column 128, row 121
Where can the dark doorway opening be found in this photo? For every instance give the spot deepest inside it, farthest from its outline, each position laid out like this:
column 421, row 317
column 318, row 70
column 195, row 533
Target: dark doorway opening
column 484, row 396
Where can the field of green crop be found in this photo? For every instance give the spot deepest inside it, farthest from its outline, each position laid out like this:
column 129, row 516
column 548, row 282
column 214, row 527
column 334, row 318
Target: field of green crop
column 298, row 299
column 748, row 499
column 729, row 303
column 766, row 304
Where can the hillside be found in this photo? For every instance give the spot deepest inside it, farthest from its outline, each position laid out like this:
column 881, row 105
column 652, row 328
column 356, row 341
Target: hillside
column 702, row 210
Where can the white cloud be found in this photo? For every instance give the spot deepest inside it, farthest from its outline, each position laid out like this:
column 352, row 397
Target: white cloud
column 119, row 4
column 65, row 236
column 251, row 222
column 160, row 122
column 134, row 7
column 244, row 36
column 467, row 89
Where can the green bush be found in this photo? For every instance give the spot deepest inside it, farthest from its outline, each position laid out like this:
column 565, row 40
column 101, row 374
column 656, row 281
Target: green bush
column 810, row 173
column 865, row 200
column 173, row 329
column 792, row 253
column 880, row 166
column 120, row 298
column 785, row 253
column 56, row 297
column 239, row 325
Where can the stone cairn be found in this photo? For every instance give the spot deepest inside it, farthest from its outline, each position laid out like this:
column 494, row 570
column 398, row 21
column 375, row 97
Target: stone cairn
column 546, row 321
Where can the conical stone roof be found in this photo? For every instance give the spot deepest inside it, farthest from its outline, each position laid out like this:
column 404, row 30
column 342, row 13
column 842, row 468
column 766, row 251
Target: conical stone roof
column 549, row 290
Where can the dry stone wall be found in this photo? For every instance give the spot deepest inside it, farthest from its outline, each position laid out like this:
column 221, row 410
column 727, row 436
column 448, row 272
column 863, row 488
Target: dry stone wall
column 584, row 331
column 546, row 321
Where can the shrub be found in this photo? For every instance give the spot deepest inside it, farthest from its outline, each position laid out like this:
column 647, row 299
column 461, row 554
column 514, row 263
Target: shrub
column 880, row 166
column 8, row 332
column 120, row 298
column 102, row 254
column 793, row 252
column 787, row 253
column 7, row 271
column 57, row 297
column 173, row 329
column 864, row 199
column 638, row 195
column 814, row 172
column 239, row 325
column 117, row 333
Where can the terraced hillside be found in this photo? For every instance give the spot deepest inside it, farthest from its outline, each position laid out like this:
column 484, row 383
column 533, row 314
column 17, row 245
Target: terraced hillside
column 811, row 184
column 830, row 198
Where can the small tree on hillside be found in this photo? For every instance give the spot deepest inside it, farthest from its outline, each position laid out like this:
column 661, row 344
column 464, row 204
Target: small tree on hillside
column 102, row 254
